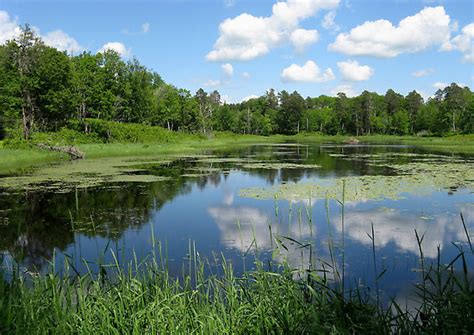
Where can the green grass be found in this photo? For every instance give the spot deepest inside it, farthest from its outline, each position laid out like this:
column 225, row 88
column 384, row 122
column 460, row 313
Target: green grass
column 16, row 160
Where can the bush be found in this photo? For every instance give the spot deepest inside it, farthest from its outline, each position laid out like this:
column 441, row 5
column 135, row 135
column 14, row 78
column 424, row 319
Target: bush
column 108, row 131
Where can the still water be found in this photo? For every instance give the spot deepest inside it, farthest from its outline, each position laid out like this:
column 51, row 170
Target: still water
column 243, row 203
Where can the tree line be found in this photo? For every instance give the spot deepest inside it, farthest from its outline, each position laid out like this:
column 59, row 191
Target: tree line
column 42, row 89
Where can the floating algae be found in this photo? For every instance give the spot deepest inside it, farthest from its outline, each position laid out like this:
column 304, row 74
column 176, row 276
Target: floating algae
column 84, row 173
column 413, row 178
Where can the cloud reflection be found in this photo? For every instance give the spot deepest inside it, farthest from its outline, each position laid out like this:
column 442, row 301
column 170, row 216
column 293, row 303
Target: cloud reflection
column 243, row 228
column 396, row 226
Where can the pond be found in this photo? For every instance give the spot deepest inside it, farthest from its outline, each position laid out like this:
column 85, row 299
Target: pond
column 284, row 201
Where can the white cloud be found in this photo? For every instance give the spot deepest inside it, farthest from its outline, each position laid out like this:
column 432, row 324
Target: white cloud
column 228, row 100
column 246, row 75
column 246, row 37
column 426, row 96
column 117, row 47
column 440, row 86
column 250, row 97
column 9, row 28
column 309, row 72
column 463, row 42
column 328, row 22
column 346, row 89
column 145, row 27
column 301, row 38
column 227, row 69
column 212, row 83
column 429, row 27
column 352, row 71
column 422, row 73
column 60, row 40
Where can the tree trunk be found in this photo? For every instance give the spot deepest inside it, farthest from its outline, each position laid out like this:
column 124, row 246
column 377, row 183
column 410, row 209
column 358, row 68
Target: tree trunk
column 26, row 131
column 454, row 122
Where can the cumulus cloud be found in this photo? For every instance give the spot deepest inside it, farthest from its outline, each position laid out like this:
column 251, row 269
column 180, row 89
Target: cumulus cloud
column 440, row 85
column 328, row 22
column 463, row 42
column 429, row 27
column 9, row 28
column 246, row 37
column 346, row 89
column 301, row 38
column 212, row 83
column 227, row 69
column 226, row 99
column 227, row 73
column 309, row 72
column 117, row 47
column 246, row 75
column 352, row 71
column 60, row 40
column 250, row 97
column 422, row 73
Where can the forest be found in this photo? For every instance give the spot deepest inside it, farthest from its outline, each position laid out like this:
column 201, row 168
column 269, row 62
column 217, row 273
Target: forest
column 43, row 89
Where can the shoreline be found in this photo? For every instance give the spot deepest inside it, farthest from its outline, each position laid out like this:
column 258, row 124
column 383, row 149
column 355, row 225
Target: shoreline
column 17, row 159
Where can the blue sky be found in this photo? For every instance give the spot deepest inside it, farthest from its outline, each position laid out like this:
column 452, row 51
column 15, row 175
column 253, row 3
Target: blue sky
column 243, row 47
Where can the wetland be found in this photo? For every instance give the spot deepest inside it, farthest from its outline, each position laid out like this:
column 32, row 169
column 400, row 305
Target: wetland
column 241, row 203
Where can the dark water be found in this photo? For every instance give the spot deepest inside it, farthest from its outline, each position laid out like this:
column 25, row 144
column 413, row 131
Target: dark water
column 41, row 225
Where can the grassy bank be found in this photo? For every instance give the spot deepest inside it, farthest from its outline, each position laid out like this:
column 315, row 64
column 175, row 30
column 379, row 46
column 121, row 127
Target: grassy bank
column 110, row 139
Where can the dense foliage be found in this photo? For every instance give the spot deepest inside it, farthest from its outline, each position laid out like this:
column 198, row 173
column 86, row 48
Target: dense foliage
column 43, row 89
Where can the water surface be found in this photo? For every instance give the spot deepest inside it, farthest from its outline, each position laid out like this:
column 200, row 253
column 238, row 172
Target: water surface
column 243, row 203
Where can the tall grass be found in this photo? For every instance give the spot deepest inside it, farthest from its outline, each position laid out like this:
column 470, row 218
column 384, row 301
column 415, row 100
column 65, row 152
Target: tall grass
column 141, row 297
column 16, row 160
